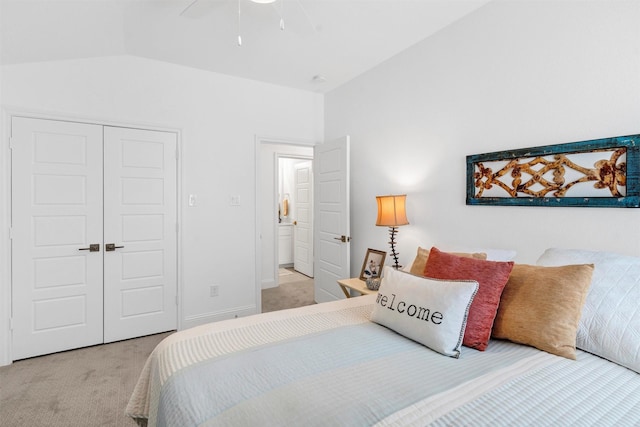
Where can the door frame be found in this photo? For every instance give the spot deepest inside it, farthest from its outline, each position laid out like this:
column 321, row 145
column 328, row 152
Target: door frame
column 261, row 141
column 5, row 210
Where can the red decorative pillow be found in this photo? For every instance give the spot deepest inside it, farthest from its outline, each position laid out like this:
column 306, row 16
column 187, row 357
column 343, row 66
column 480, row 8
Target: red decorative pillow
column 492, row 277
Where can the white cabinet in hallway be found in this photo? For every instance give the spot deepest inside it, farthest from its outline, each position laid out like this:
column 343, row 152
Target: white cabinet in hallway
column 93, row 234
column 285, row 244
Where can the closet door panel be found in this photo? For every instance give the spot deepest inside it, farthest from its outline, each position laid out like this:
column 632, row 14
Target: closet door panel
column 140, row 221
column 56, row 214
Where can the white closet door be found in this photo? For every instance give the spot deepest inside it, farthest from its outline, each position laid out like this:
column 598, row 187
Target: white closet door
column 56, row 213
column 140, row 220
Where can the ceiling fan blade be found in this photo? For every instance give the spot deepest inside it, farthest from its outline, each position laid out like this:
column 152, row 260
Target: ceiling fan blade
column 186, row 9
column 306, row 14
column 200, row 8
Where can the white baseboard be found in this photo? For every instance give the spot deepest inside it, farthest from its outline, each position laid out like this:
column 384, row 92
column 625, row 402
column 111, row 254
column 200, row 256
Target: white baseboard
column 267, row 284
column 201, row 319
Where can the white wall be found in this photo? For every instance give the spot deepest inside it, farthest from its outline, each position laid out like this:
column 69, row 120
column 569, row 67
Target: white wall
column 286, row 189
column 287, row 183
column 510, row 75
column 219, row 117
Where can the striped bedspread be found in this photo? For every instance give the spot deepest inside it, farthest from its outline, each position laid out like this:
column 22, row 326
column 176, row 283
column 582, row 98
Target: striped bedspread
column 327, row 364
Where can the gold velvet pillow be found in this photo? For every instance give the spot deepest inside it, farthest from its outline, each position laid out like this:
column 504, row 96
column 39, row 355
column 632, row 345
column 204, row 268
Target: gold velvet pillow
column 541, row 307
column 422, row 256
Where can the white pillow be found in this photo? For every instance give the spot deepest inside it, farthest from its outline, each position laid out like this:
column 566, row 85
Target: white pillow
column 496, row 254
column 610, row 323
column 429, row 311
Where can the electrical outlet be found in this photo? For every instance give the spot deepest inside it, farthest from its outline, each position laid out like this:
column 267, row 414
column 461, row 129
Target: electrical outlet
column 213, row 290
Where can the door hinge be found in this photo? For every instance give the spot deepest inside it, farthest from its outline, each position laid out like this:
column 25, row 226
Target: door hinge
column 177, row 300
column 10, row 233
column 11, row 143
column 177, row 227
column 11, row 323
column 177, row 155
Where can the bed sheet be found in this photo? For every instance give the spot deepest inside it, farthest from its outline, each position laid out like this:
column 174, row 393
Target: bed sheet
column 327, row 364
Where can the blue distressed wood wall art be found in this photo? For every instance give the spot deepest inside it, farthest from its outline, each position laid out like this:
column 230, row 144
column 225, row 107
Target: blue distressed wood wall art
column 595, row 173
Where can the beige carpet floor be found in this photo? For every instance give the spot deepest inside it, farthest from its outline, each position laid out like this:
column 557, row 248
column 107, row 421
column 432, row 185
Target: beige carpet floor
column 85, row 387
column 293, row 290
column 91, row 386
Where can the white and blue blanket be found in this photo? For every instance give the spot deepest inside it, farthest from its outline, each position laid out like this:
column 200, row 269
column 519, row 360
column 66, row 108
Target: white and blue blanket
column 329, row 365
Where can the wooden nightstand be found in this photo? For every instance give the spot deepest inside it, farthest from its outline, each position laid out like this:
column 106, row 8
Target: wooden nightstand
column 356, row 284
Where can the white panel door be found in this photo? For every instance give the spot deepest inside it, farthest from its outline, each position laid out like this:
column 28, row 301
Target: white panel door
column 140, row 221
column 331, row 218
column 303, row 225
column 56, row 214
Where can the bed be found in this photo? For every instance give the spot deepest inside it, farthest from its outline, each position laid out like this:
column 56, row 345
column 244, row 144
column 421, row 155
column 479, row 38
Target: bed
column 341, row 363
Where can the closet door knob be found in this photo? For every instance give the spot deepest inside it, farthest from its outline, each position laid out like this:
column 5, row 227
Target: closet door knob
column 93, row 247
column 110, row 247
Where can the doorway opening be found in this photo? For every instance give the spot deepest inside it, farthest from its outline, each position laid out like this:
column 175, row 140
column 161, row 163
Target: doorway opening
column 295, row 208
column 331, row 255
column 285, row 203
column 294, row 290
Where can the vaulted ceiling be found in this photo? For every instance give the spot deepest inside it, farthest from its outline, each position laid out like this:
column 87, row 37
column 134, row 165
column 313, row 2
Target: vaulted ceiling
column 333, row 39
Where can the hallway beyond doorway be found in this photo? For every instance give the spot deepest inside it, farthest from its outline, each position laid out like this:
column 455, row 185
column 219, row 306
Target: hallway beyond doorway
column 294, row 290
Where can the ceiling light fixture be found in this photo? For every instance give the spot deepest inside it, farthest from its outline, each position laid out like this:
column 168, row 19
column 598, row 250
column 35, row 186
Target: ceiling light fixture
column 264, row 1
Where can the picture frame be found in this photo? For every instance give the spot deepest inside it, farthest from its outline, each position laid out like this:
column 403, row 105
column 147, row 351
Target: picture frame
column 594, row 173
column 373, row 259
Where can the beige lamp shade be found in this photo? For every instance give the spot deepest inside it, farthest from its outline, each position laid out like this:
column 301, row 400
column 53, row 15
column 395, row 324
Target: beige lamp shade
column 391, row 211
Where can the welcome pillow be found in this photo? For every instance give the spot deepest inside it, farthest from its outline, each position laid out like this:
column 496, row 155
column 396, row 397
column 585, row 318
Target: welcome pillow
column 431, row 312
column 492, row 276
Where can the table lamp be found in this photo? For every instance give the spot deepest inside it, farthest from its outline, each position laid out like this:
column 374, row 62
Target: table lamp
column 392, row 214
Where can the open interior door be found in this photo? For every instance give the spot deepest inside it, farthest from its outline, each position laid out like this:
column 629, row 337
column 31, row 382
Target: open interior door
column 331, row 218
column 302, row 227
